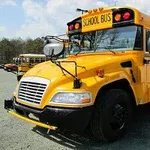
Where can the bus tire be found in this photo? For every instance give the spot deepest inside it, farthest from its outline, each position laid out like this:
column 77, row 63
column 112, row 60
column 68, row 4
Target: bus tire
column 112, row 115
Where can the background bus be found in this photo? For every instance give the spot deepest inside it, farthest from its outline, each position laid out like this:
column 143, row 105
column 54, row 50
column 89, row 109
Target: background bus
column 27, row 61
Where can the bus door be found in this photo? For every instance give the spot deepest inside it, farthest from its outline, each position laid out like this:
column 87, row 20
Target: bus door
column 147, row 65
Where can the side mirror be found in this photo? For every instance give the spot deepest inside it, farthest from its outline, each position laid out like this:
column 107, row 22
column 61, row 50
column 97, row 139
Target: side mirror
column 53, row 49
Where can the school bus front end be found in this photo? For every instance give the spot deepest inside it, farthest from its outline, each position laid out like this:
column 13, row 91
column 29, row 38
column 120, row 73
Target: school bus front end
column 52, row 98
column 98, row 84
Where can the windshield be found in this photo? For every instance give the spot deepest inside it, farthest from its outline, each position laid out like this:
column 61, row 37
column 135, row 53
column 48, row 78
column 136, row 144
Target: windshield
column 116, row 39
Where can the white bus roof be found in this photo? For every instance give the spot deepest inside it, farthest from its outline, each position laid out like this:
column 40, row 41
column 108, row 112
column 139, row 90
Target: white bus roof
column 32, row 55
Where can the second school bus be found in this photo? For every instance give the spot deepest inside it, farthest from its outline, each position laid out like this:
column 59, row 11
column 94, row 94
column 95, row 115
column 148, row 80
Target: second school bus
column 28, row 61
column 100, row 83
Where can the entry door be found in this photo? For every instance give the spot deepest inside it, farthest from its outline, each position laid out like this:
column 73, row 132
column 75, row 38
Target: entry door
column 147, row 70
column 147, row 63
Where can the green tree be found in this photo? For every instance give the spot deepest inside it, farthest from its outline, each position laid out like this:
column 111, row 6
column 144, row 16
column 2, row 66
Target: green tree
column 17, row 46
column 6, row 50
column 34, row 46
column 10, row 48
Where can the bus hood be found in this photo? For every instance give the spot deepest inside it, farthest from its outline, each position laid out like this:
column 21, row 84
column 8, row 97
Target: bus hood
column 86, row 63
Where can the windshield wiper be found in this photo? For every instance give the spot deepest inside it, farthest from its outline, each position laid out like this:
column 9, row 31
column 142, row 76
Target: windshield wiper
column 107, row 48
column 78, row 52
column 76, row 49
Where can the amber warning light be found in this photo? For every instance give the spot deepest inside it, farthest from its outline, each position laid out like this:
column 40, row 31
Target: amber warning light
column 77, row 26
column 118, row 17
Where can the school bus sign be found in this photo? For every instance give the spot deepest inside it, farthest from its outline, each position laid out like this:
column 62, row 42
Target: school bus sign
column 95, row 22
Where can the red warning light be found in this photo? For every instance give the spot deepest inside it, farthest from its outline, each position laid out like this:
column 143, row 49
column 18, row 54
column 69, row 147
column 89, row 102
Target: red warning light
column 71, row 27
column 126, row 16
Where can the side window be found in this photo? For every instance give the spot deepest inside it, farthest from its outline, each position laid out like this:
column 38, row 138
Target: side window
column 24, row 60
column 148, row 41
column 31, row 60
column 37, row 60
column 28, row 60
column 42, row 59
column 139, row 39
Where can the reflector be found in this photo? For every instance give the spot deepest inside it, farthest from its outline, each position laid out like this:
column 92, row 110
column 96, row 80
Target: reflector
column 100, row 9
column 100, row 73
column 89, row 11
column 95, row 10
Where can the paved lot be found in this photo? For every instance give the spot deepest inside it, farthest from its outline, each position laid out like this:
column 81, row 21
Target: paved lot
column 16, row 134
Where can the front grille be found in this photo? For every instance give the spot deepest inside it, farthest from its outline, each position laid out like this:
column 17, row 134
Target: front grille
column 32, row 90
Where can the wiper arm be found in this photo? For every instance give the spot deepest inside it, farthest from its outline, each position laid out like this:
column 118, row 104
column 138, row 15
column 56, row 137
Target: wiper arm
column 76, row 49
column 110, row 50
column 78, row 52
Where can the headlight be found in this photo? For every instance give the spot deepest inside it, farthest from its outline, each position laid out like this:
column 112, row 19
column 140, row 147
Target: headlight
column 72, row 98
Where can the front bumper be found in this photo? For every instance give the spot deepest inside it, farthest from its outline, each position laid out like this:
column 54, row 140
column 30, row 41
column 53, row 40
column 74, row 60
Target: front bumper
column 75, row 119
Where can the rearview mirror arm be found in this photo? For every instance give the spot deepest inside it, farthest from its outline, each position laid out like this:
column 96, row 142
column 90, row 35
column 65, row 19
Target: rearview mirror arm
column 51, row 55
column 54, row 37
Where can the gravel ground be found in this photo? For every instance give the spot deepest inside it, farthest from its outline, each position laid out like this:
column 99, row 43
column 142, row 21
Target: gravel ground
column 16, row 134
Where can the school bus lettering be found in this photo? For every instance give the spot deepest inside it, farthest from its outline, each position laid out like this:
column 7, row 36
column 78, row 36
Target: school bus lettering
column 105, row 18
column 90, row 21
column 98, row 21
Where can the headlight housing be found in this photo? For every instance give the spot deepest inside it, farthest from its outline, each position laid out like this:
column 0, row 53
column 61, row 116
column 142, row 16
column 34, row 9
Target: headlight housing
column 72, row 98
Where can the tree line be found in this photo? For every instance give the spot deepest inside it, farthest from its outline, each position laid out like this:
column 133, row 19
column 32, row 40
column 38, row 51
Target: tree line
column 10, row 48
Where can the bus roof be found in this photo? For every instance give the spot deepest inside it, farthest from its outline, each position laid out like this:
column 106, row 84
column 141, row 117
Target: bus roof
column 32, row 55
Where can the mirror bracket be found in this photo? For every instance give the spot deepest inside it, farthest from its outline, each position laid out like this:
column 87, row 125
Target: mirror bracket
column 77, row 83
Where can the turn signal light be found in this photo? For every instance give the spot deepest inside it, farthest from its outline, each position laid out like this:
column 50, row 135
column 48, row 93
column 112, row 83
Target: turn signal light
column 86, row 100
column 100, row 73
column 117, row 17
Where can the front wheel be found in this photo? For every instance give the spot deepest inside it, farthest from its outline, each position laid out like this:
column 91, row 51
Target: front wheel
column 112, row 115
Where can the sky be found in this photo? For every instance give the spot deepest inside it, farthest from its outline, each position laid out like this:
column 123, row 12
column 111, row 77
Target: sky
column 37, row 18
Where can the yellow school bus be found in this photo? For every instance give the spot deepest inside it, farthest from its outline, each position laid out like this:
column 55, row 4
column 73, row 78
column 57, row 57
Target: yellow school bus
column 100, row 83
column 27, row 61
